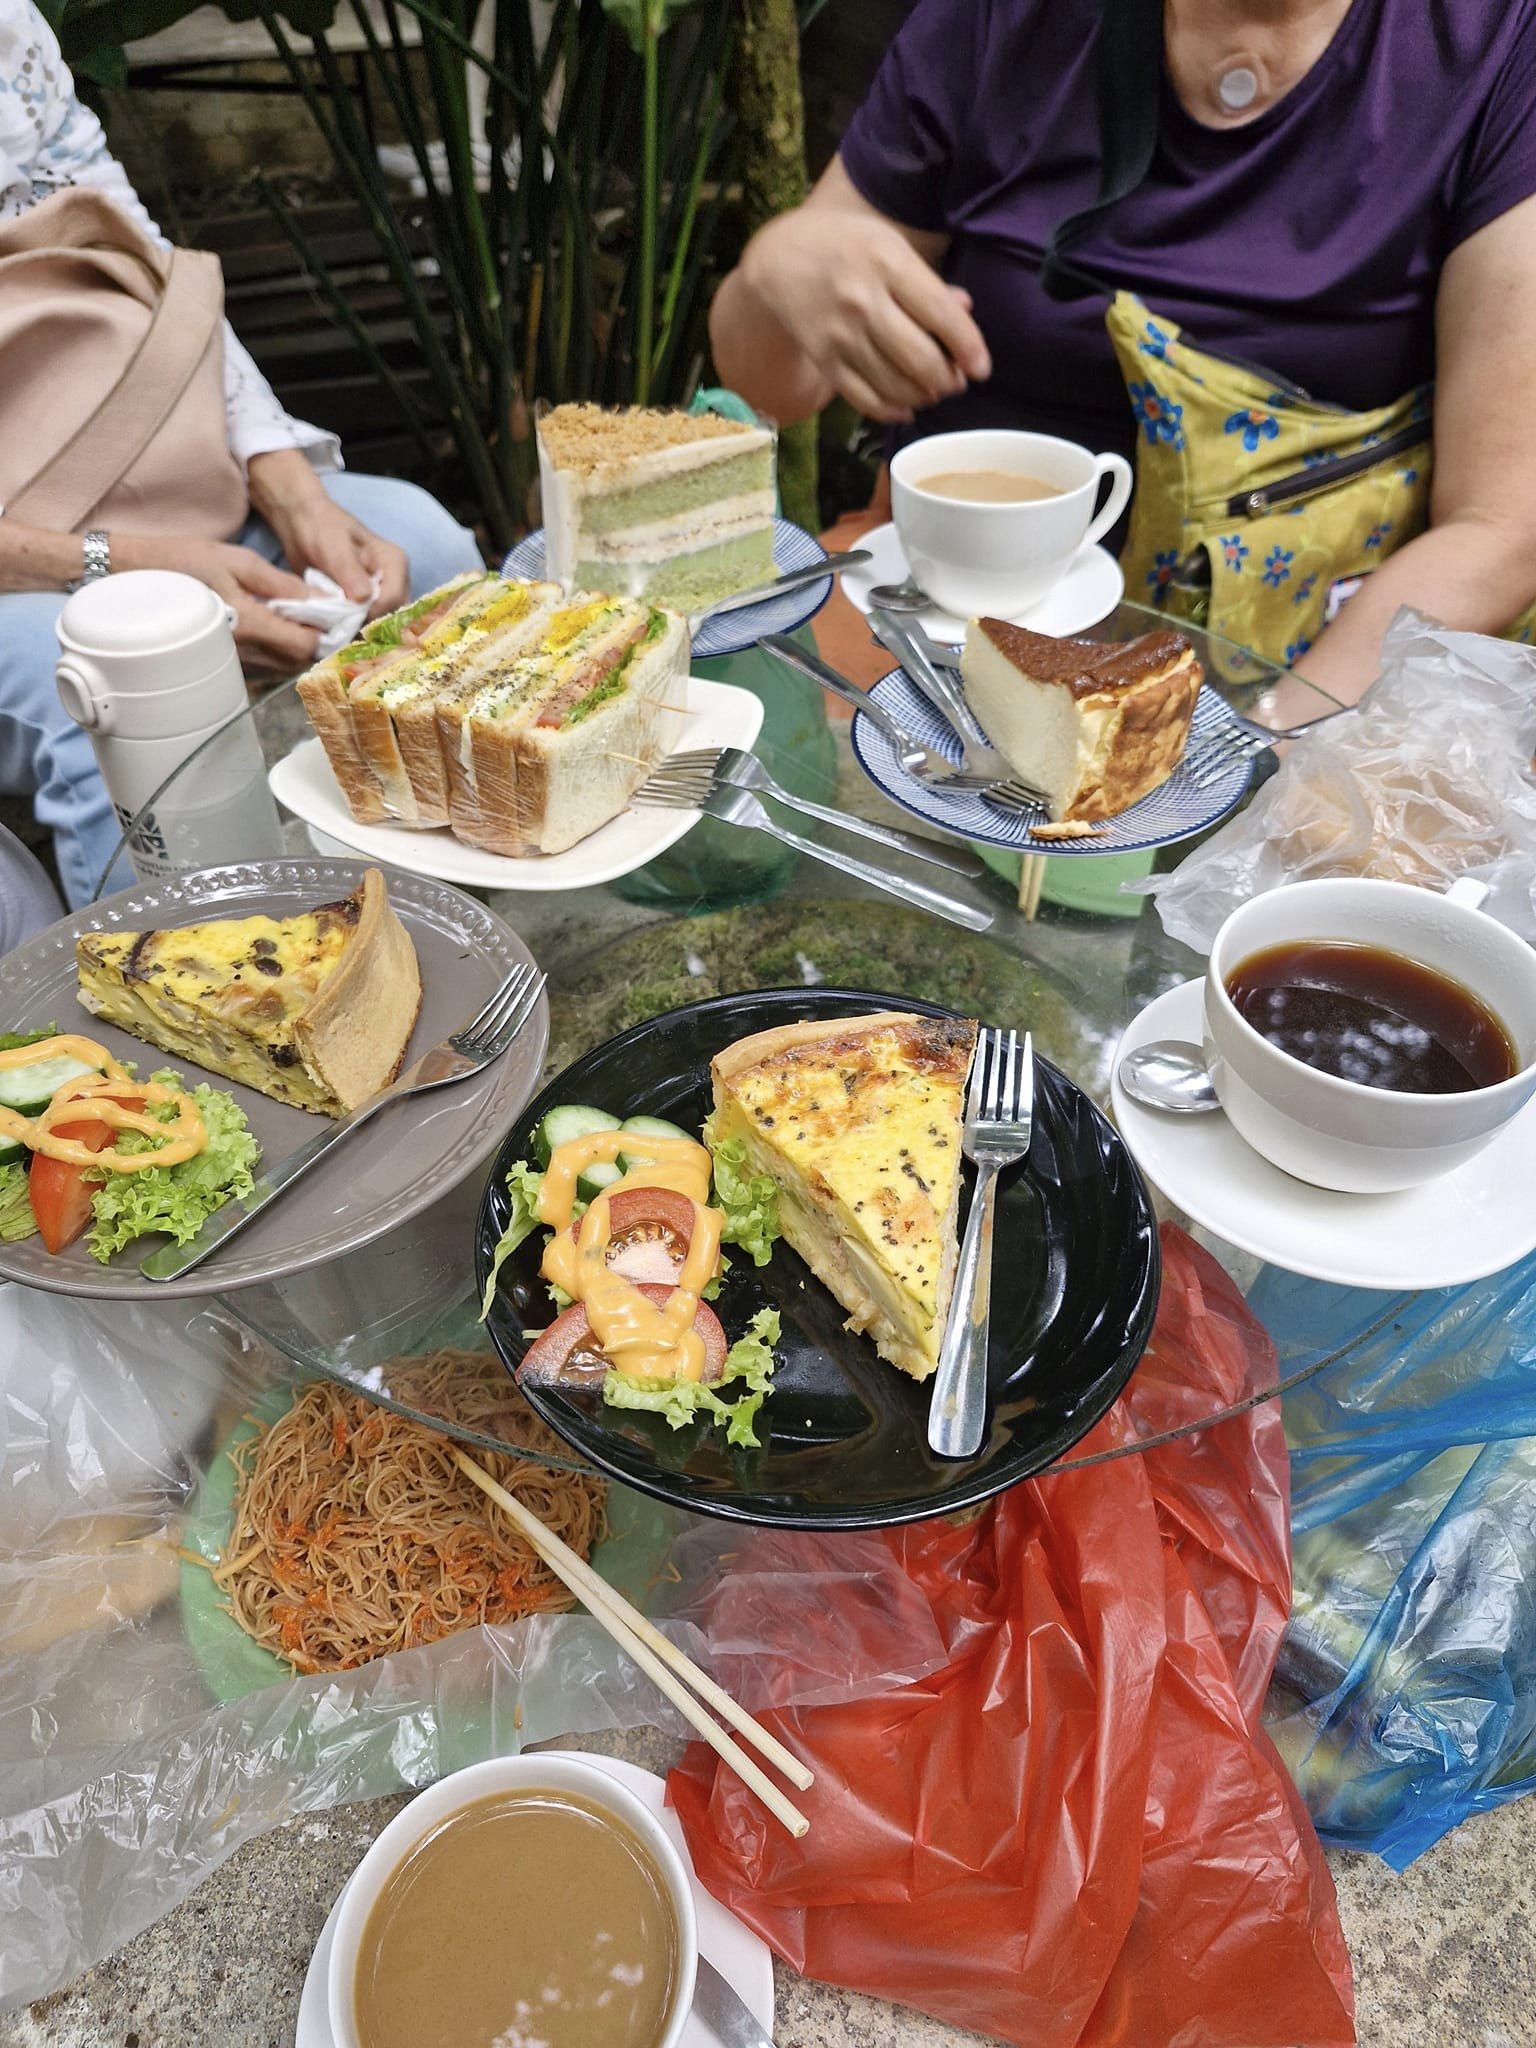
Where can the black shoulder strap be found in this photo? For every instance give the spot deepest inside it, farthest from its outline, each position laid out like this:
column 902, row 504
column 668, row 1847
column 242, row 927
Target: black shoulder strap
column 1128, row 62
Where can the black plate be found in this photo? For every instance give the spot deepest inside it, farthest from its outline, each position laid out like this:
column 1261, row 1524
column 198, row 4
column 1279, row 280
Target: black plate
column 1074, row 1290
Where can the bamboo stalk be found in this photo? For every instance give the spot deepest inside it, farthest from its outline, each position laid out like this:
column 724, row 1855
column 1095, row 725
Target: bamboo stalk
column 658, row 1657
column 645, row 297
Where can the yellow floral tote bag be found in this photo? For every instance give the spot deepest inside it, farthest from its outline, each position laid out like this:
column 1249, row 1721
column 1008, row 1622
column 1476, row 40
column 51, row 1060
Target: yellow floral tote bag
column 1257, row 507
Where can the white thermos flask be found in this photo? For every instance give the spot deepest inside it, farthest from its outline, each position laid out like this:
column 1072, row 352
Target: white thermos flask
column 148, row 666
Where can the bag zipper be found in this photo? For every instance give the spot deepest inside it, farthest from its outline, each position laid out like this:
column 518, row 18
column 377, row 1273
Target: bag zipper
column 1306, row 483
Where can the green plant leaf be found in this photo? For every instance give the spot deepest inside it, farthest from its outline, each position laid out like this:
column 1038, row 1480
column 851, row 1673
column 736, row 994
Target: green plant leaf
column 641, row 19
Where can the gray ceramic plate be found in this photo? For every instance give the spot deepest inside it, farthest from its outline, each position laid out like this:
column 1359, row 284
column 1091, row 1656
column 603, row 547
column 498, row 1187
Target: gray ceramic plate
column 409, row 1155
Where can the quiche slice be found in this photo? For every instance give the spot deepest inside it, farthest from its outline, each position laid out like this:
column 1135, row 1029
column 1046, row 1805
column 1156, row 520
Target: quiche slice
column 315, row 1009
column 858, row 1121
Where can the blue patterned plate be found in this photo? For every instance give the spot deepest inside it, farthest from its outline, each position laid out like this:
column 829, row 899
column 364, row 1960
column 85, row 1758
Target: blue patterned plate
column 1175, row 811
column 731, row 632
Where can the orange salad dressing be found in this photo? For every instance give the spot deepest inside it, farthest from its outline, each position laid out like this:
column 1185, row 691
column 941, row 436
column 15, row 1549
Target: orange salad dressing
column 108, row 1097
column 643, row 1340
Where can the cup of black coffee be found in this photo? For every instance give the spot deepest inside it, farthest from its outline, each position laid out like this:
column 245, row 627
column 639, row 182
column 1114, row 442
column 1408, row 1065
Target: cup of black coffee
column 1368, row 1035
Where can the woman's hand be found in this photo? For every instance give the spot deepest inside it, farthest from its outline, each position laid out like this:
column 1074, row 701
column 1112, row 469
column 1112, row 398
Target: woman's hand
column 243, row 579
column 835, row 298
column 317, row 534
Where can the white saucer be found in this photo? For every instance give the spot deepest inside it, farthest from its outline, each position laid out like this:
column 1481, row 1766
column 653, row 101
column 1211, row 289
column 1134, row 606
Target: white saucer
column 718, row 715
column 737, row 1954
column 1459, row 1228
column 1092, row 585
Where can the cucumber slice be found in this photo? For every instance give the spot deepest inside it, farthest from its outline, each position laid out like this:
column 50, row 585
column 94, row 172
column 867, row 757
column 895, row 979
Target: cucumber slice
column 648, row 1127
column 10, row 1148
column 566, row 1121
column 26, row 1086
column 596, row 1178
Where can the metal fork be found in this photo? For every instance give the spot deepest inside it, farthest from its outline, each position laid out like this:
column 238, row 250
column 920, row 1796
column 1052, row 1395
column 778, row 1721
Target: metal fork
column 999, row 1119
column 744, row 771
column 923, row 763
column 481, row 1041
column 735, row 806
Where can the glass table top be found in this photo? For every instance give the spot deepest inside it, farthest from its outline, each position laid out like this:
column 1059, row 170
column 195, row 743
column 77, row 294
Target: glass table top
column 723, row 911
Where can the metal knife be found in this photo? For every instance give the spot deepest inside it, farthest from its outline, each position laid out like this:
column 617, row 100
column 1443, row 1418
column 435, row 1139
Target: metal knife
column 731, row 2022
column 813, row 572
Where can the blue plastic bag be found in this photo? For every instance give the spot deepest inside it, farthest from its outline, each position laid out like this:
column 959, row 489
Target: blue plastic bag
column 1405, row 1692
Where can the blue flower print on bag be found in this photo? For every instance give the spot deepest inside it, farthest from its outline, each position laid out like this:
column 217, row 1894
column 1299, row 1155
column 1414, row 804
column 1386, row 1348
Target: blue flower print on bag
column 1234, row 551
column 1159, row 416
column 1277, row 566
column 1304, row 588
column 1277, row 400
column 1253, row 425
column 1378, row 533
column 1154, row 342
column 1295, row 649
column 1160, row 575
column 1408, row 476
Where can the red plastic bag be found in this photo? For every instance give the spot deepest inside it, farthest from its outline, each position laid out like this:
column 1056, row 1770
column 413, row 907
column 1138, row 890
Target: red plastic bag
column 1075, row 1831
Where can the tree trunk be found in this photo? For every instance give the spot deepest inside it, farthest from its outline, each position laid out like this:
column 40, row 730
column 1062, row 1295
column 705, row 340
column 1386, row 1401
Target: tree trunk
column 771, row 161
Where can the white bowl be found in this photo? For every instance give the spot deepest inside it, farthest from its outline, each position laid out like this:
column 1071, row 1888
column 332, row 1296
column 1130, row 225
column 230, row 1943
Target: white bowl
column 531, row 1773
column 1342, row 1134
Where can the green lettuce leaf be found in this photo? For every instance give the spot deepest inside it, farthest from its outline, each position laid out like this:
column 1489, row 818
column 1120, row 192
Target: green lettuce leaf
column 15, row 1210
column 523, row 1182
column 748, row 1363
column 750, row 1200
column 12, row 1041
column 176, row 1199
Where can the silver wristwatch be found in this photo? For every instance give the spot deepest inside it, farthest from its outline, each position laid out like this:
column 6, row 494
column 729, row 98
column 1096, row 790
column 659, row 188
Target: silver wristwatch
column 95, row 558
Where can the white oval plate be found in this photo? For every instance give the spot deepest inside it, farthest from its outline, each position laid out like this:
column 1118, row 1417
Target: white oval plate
column 1459, row 1228
column 735, row 1951
column 1091, row 587
column 731, row 632
column 718, row 715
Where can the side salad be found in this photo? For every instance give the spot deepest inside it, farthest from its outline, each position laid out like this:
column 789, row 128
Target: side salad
column 649, row 1228
column 62, row 1201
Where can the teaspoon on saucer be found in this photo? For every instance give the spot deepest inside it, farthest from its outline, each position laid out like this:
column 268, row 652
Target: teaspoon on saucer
column 1169, row 1074
column 900, row 597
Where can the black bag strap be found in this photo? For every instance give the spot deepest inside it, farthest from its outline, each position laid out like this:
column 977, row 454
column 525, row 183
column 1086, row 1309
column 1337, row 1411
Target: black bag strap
column 1128, row 64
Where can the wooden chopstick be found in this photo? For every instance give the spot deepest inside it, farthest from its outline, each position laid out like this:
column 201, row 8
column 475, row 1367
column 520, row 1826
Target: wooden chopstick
column 654, row 1652
column 1031, row 881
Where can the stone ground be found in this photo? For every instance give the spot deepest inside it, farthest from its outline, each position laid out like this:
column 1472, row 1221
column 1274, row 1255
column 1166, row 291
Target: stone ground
column 1444, row 1953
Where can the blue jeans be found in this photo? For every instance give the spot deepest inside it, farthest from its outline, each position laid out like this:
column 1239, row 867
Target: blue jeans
column 46, row 756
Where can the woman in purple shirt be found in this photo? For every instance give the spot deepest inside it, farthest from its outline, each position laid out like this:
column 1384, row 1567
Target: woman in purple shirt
column 1341, row 191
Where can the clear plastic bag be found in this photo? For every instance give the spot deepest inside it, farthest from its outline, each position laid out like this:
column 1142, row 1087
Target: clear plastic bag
column 1405, row 1691
column 134, row 1758
column 1428, row 779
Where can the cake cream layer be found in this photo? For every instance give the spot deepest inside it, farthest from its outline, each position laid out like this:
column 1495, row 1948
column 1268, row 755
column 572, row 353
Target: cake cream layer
column 692, row 582
column 682, row 536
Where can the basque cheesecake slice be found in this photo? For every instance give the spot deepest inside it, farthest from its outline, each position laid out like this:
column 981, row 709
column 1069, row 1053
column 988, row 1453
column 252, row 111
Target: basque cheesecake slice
column 858, row 1122
column 314, row 1009
column 1096, row 725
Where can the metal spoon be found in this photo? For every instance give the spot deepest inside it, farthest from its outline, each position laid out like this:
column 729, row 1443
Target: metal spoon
column 900, row 597
column 1170, row 1074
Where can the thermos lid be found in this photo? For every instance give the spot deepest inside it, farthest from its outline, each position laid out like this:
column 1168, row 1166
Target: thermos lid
column 148, row 654
column 140, row 611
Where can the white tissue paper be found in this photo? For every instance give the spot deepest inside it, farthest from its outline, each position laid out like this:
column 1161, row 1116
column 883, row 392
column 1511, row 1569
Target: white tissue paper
column 1429, row 778
column 334, row 615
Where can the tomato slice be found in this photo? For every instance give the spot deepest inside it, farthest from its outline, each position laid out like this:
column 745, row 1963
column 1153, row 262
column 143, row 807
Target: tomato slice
column 650, row 1230
column 59, row 1191
column 567, row 1353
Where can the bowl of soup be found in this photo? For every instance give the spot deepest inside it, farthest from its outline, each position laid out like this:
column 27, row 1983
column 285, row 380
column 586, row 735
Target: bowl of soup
column 525, row 1900
column 1369, row 1035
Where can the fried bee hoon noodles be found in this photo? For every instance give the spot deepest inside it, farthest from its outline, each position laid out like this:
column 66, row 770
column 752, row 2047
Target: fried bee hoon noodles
column 355, row 1534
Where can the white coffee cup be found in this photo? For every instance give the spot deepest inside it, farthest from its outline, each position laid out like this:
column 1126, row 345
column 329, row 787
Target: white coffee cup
column 532, row 1773
column 976, row 556
column 1342, row 1134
